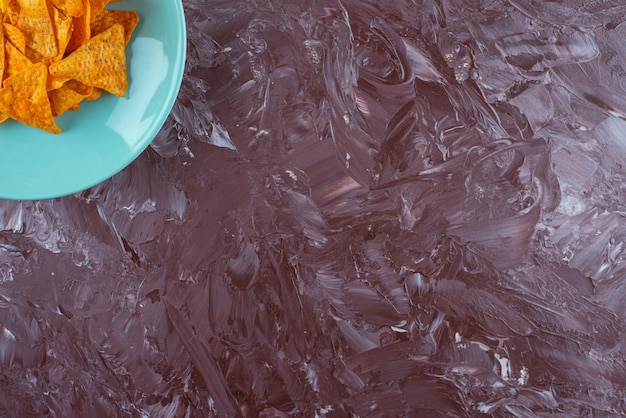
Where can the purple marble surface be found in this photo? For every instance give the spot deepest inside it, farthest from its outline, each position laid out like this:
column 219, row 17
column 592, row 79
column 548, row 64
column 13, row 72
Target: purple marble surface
column 356, row 208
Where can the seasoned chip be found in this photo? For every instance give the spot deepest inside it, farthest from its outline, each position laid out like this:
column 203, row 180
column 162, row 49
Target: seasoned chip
column 2, row 54
column 30, row 84
column 12, row 11
column 35, row 22
column 15, row 60
column 79, row 87
column 15, row 36
column 101, row 62
column 56, row 53
column 98, row 5
column 62, row 29
column 55, row 82
column 68, row 96
column 95, row 94
column 73, row 8
column 3, row 117
column 107, row 18
column 81, row 31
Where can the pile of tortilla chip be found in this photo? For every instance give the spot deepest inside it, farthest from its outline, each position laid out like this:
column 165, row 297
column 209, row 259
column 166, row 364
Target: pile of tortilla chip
column 56, row 53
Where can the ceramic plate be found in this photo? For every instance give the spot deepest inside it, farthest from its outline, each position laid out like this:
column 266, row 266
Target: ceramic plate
column 104, row 136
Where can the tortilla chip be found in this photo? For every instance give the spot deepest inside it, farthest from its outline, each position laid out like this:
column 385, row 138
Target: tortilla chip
column 55, row 82
column 95, row 94
column 35, row 111
column 56, row 53
column 15, row 36
column 2, row 54
column 98, row 5
column 35, row 23
column 12, row 11
column 62, row 29
column 3, row 117
column 73, row 8
column 81, row 31
column 68, row 97
column 101, row 62
column 15, row 60
column 79, row 87
column 107, row 18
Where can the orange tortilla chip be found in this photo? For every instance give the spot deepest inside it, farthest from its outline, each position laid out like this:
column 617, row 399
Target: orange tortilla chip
column 15, row 60
column 107, row 18
column 35, row 22
column 73, row 8
column 62, row 30
column 79, row 87
column 56, row 53
column 101, row 62
column 2, row 54
column 3, row 4
column 55, row 82
column 15, row 36
column 68, row 97
column 36, row 111
column 98, row 5
column 81, row 31
column 95, row 94
column 12, row 11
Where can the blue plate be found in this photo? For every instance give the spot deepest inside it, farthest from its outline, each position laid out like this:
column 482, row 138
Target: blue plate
column 103, row 136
